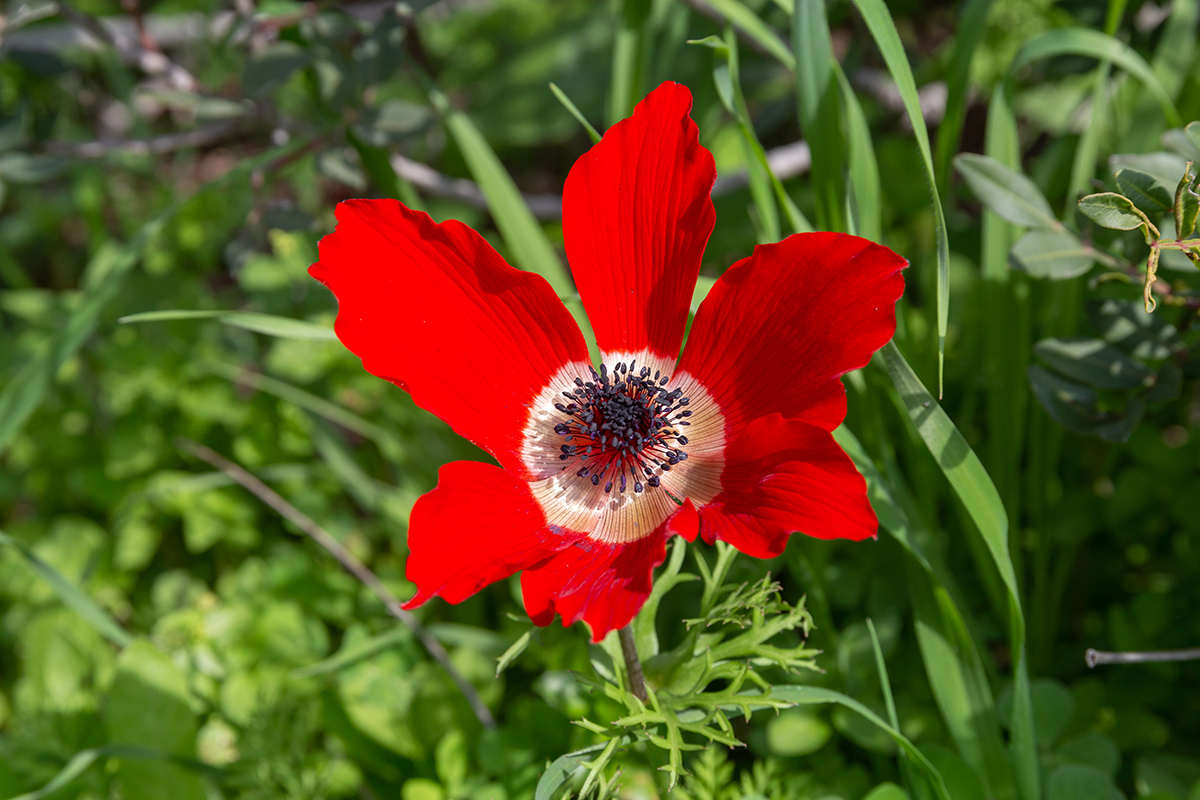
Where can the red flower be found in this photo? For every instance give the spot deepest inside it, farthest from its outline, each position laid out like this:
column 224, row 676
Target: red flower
column 597, row 470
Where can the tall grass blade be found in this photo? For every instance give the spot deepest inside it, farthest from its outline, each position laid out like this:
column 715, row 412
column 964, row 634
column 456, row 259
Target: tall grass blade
column 753, row 26
column 974, row 488
column 269, row 324
column 574, row 111
column 817, row 101
column 864, row 195
column 879, row 21
column 70, row 595
column 525, row 238
column 1102, row 47
column 970, row 30
column 630, row 54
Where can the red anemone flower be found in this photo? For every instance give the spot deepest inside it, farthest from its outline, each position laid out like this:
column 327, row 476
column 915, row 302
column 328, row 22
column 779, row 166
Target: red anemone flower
column 598, row 468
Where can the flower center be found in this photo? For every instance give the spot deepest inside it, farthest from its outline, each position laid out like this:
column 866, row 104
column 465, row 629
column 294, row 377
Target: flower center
column 624, row 428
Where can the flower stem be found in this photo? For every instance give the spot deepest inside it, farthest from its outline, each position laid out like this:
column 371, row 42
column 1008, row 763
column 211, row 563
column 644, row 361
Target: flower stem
column 633, row 667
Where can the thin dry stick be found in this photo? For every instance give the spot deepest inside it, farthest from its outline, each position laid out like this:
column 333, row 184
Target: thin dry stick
column 152, row 61
column 1095, row 657
column 633, row 665
column 347, row 560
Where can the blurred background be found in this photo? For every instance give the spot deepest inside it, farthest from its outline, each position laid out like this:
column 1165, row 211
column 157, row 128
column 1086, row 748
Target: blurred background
column 164, row 633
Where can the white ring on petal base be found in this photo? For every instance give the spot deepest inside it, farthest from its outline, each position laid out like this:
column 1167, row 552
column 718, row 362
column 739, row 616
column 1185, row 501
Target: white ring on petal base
column 573, row 503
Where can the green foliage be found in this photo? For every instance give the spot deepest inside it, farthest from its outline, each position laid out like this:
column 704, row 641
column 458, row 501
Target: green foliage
column 164, row 634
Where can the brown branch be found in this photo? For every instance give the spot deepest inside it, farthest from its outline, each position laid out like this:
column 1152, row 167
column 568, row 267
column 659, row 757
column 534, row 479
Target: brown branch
column 1095, row 657
column 347, row 560
column 151, row 61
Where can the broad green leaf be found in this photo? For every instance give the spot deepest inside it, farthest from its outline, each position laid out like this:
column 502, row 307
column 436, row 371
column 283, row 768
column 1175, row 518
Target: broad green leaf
column 70, row 595
column 575, row 112
column 525, row 238
column 887, row 38
column 148, row 707
column 1005, row 191
column 1130, row 327
column 887, row 791
column 1056, row 255
column 1164, row 168
column 974, row 488
column 270, row 324
column 271, row 68
column 795, row 732
column 1077, row 782
column 1146, row 193
column 1091, row 750
column 1087, row 42
column 1115, row 211
column 1094, row 362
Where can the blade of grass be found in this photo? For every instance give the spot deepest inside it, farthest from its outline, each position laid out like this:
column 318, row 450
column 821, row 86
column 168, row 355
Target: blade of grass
column 970, row 30
column 561, row 96
column 269, row 324
column 525, row 238
column 1083, row 165
column 1102, row 47
column 84, row 759
column 354, row 654
column 817, row 103
column 630, row 51
column 864, row 192
column 753, row 26
column 388, row 442
column 948, row 651
column 975, row 489
column 70, row 595
column 879, row 21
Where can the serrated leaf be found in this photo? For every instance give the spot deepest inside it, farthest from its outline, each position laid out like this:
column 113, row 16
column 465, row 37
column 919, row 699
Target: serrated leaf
column 1111, row 210
column 1145, row 191
column 1005, row 191
column 1093, row 362
column 1056, row 255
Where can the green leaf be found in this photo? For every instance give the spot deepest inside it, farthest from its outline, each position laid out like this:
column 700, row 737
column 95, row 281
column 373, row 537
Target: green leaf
column 27, row 168
column 270, row 324
column 354, row 653
column 887, row 791
column 1093, row 362
column 81, row 761
column 1187, row 203
column 1092, row 750
column 971, row 26
column 391, row 122
column 1087, row 42
column 754, row 27
column 514, row 651
column 1008, row 193
column 1127, row 325
column 148, row 707
column 70, row 595
column 797, row 733
column 272, row 67
column 817, row 101
column 1077, row 782
column 974, row 488
column 1074, row 406
column 883, row 30
column 1056, row 255
column 864, row 192
column 1115, row 211
column 1164, row 168
column 103, row 278
column 575, row 112
column 563, row 769
column 1146, row 193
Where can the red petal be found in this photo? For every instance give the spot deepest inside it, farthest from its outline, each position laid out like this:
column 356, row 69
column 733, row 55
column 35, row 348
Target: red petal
column 605, row 585
column 781, row 327
column 434, row 309
column 636, row 217
column 478, row 526
column 782, row 476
